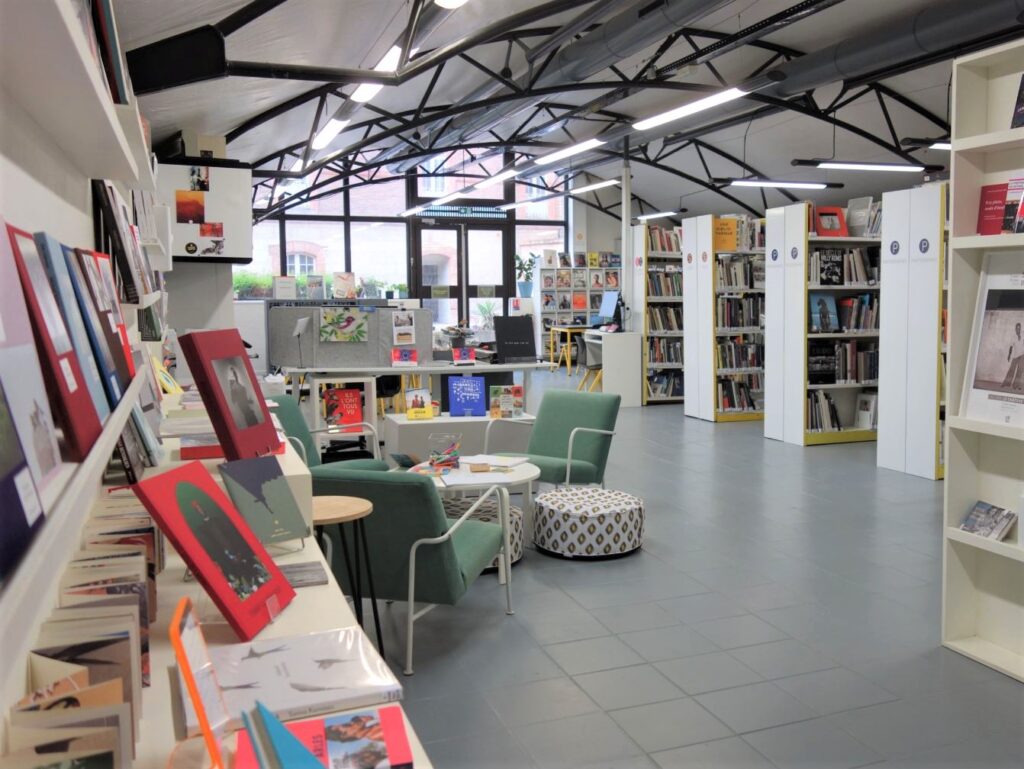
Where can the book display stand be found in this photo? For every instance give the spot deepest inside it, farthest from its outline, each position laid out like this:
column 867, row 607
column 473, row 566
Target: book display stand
column 983, row 579
column 911, row 389
column 800, row 408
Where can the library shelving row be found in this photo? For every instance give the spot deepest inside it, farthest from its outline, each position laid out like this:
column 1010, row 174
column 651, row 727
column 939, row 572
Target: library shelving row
column 822, row 338
column 983, row 579
column 911, row 389
column 723, row 268
column 572, row 285
column 664, row 344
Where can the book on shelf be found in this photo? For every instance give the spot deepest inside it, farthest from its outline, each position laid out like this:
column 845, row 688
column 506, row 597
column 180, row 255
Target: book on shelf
column 830, row 222
column 867, row 411
column 285, row 287
column 272, row 745
column 739, row 353
column 564, row 260
column 663, row 239
column 231, row 392
column 594, row 260
column 666, row 384
column 315, row 288
column 563, row 279
column 548, row 259
column 737, row 232
column 738, row 312
column 858, row 313
column 842, row 362
column 665, row 318
column 260, row 492
column 740, row 392
column 665, row 282
column 467, row 396
column 596, row 280
column 858, row 216
column 374, row 737
column 21, row 511
column 822, row 414
column 64, row 380
column 579, row 279
column 739, row 271
column 595, row 301
column 579, row 259
column 218, row 546
column 93, row 277
column 1017, row 120
column 579, row 300
column 611, row 280
column 994, row 385
column 343, row 285
column 325, row 671
column 989, row 521
column 506, row 401
column 991, row 209
column 664, row 350
column 343, row 408
column 843, row 266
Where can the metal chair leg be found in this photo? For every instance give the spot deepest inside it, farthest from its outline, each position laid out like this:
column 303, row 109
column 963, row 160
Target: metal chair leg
column 352, row 583
column 361, row 531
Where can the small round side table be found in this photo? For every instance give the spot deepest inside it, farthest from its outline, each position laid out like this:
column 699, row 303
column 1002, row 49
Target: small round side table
column 328, row 511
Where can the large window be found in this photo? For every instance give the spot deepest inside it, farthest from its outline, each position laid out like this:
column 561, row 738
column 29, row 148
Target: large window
column 464, row 173
column 530, row 188
column 380, row 257
column 379, row 199
column 253, row 280
column 314, row 248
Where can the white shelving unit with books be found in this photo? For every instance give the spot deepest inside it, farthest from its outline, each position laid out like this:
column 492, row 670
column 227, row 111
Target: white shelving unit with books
column 911, row 392
column 663, row 310
column 821, row 325
column 698, row 315
column 983, row 579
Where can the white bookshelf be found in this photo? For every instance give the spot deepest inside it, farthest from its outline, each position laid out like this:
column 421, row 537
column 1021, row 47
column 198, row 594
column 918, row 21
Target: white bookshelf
column 983, row 580
column 788, row 247
column 698, row 316
column 911, row 394
column 663, row 349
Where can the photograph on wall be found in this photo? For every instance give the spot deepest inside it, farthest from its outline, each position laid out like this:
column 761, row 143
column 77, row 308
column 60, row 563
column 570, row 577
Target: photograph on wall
column 199, row 178
column 238, row 393
column 211, row 230
column 343, row 324
column 190, row 206
column 404, row 328
column 994, row 388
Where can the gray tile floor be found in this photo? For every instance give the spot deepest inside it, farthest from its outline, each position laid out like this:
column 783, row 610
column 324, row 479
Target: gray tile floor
column 784, row 612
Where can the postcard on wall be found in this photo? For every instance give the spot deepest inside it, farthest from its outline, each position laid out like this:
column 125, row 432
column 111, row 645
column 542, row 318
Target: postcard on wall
column 404, row 358
column 343, row 324
column 994, row 387
column 403, row 327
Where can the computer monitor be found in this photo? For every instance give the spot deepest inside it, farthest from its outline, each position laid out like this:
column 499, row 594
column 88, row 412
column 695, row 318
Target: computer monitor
column 609, row 302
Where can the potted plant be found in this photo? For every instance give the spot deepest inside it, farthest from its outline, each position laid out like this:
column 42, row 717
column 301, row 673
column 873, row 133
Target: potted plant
column 524, row 274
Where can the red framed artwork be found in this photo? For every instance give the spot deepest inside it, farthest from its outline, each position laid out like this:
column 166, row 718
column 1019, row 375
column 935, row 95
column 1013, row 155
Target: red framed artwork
column 217, row 544
column 830, row 222
column 61, row 368
column 230, row 392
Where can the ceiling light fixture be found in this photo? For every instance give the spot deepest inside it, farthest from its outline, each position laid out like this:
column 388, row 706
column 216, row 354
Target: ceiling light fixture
column 693, row 107
column 328, row 133
column 856, row 165
column 496, row 179
column 940, row 143
column 451, row 5
column 645, row 217
column 592, row 187
column 945, row 145
column 780, row 184
column 568, row 152
column 446, row 199
column 389, row 63
column 412, row 211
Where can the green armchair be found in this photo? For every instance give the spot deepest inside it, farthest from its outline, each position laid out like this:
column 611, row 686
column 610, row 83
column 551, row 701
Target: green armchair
column 301, row 437
column 571, row 436
column 415, row 552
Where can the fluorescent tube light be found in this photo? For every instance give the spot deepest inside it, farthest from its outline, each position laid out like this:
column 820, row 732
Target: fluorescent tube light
column 568, row 152
column 389, row 63
column 714, row 100
column 446, row 199
column 778, row 184
column 496, row 179
column 412, row 211
column 853, row 165
column 592, row 187
column 451, row 5
column 328, row 133
column 941, row 146
column 517, row 204
column 645, row 217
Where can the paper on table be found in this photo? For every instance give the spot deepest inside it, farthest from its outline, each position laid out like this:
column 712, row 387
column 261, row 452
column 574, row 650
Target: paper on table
column 464, row 477
column 494, row 460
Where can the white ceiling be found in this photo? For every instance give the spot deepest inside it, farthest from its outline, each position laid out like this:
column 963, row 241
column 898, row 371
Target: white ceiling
column 356, row 33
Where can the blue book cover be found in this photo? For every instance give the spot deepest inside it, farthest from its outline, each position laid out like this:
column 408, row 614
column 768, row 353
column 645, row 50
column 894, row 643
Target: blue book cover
column 467, row 396
column 822, row 313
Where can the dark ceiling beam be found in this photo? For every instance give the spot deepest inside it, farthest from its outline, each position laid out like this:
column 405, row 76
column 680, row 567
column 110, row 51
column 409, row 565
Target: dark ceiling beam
column 247, row 13
column 410, row 30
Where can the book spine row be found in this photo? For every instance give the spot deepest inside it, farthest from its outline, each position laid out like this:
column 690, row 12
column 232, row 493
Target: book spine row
column 739, row 354
column 740, row 392
column 734, row 312
column 667, row 384
column 843, row 266
column 822, row 414
column 858, row 313
column 665, row 350
column 665, row 283
column 740, row 272
column 663, row 239
column 847, row 362
column 665, row 318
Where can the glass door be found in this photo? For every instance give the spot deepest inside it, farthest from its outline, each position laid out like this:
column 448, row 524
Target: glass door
column 462, row 273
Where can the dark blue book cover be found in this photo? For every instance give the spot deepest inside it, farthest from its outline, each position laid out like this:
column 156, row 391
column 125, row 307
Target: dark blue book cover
column 467, row 396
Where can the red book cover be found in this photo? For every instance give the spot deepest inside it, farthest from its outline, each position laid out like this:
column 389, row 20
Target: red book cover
column 343, row 406
column 992, row 208
column 218, row 546
column 62, row 373
column 207, row 446
column 105, row 271
column 108, row 313
column 579, row 301
column 374, row 737
column 231, row 393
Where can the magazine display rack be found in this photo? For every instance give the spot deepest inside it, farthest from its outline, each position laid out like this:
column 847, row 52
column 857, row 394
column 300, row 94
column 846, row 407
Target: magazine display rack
column 790, row 247
column 911, row 387
column 983, row 580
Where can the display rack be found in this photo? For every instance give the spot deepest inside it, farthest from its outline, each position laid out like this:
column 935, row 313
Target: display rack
column 791, row 338
column 572, row 285
column 983, row 580
column 911, row 365
column 663, row 311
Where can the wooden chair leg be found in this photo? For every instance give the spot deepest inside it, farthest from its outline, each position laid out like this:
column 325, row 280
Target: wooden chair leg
column 597, row 380
column 583, row 382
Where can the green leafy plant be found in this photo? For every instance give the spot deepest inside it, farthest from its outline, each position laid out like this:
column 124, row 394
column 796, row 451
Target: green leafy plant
column 524, row 267
column 250, row 285
column 487, row 310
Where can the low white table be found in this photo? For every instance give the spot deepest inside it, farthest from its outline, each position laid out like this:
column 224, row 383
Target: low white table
column 402, row 435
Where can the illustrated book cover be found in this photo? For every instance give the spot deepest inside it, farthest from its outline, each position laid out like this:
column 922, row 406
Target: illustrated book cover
column 262, row 495
column 467, row 396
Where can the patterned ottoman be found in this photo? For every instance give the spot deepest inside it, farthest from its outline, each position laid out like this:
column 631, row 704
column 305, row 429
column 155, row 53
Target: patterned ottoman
column 488, row 512
column 588, row 522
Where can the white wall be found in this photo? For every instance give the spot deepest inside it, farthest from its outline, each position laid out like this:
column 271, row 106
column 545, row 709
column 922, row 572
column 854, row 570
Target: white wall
column 39, row 188
column 199, row 296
